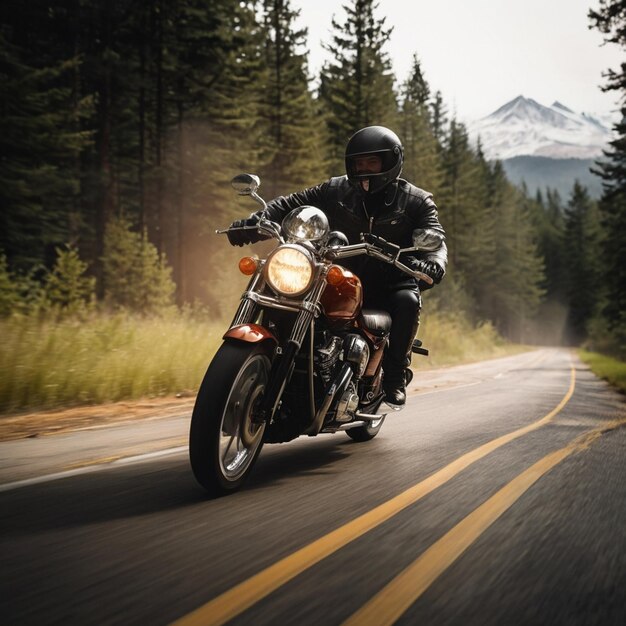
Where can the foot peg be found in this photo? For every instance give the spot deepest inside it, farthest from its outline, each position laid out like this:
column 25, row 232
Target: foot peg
column 416, row 348
column 395, row 407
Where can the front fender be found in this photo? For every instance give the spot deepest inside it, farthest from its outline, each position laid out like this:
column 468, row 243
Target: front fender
column 251, row 333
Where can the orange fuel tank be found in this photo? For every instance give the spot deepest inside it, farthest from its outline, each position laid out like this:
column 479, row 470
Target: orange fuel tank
column 343, row 297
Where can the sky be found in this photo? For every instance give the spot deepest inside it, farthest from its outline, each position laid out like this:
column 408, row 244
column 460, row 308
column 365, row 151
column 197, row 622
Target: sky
column 482, row 53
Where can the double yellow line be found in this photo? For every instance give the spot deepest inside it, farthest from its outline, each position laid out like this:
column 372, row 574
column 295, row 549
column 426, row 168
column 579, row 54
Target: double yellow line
column 396, row 597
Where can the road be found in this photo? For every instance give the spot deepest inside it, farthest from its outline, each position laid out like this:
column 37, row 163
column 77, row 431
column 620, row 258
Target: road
column 497, row 496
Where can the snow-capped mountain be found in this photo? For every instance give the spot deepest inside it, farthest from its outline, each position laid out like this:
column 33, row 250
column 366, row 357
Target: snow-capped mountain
column 523, row 127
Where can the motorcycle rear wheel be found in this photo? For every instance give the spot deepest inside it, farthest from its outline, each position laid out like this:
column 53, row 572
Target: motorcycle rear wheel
column 366, row 433
column 224, row 443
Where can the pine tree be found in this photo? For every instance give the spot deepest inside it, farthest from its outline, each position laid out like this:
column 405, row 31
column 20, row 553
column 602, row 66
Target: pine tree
column 422, row 163
column 297, row 142
column 136, row 277
column 225, row 132
column 550, row 226
column 439, row 117
column 67, row 287
column 39, row 143
column 463, row 200
column 357, row 85
column 610, row 19
column 200, row 41
column 9, row 291
column 516, row 287
column 582, row 251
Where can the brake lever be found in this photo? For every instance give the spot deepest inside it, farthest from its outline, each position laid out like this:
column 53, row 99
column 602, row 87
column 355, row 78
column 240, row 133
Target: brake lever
column 226, row 230
column 384, row 246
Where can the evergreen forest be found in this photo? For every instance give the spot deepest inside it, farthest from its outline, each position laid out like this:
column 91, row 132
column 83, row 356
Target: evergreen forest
column 123, row 122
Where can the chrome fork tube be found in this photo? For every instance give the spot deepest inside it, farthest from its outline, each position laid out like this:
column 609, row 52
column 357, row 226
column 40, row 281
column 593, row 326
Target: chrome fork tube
column 282, row 365
column 310, row 309
column 247, row 307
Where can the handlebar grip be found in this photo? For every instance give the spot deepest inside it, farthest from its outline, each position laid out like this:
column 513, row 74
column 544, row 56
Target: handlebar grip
column 415, row 273
column 425, row 277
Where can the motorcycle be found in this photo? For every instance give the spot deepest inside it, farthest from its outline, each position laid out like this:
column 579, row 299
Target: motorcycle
column 301, row 356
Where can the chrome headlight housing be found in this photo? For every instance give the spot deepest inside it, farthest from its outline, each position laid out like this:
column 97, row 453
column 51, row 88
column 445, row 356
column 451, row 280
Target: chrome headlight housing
column 306, row 223
column 289, row 270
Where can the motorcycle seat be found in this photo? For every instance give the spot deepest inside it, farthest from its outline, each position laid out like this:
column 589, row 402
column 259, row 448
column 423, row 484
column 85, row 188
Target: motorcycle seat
column 376, row 321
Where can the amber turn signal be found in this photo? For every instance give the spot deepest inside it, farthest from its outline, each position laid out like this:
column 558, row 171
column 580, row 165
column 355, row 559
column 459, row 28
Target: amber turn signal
column 248, row 265
column 335, row 276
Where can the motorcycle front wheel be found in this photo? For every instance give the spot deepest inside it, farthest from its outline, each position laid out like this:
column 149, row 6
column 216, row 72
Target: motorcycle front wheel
column 224, row 442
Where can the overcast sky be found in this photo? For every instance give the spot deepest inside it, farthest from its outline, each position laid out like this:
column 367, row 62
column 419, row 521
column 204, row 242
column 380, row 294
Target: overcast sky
column 483, row 53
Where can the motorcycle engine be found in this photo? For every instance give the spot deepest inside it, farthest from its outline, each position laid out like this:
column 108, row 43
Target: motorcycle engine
column 326, row 356
column 347, row 405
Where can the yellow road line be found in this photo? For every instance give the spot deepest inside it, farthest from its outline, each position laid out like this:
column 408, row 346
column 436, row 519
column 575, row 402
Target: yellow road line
column 244, row 595
column 389, row 604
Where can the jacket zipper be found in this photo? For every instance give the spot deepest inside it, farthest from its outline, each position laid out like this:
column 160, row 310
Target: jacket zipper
column 371, row 219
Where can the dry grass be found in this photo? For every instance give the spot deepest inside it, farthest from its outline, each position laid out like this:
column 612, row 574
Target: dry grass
column 452, row 340
column 47, row 364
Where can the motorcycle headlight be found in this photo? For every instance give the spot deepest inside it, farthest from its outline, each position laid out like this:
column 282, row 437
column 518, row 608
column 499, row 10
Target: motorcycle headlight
column 289, row 270
column 306, row 223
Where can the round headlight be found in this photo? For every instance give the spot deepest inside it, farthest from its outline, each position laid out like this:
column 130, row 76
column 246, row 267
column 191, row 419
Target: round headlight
column 289, row 270
column 306, row 223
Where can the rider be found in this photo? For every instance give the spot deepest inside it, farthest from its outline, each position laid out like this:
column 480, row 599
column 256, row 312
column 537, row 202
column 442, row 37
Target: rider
column 373, row 199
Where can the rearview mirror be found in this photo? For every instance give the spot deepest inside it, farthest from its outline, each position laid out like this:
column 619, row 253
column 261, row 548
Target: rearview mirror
column 427, row 239
column 245, row 184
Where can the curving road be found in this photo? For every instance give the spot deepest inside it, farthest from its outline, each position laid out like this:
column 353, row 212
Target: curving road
column 497, row 496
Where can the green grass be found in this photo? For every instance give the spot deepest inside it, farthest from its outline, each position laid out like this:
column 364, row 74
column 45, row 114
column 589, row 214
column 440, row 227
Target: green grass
column 610, row 369
column 47, row 364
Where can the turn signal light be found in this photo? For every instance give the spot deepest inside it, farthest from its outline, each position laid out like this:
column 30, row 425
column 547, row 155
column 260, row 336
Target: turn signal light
column 335, row 276
column 248, row 265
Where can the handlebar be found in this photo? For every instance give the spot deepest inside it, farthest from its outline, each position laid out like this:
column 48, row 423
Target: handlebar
column 376, row 247
column 358, row 249
column 265, row 227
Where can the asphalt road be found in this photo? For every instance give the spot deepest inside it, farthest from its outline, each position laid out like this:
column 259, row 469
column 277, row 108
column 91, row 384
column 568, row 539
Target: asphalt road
column 497, row 496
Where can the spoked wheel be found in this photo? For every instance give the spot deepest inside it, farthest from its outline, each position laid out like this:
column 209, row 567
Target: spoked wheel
column 224, row 441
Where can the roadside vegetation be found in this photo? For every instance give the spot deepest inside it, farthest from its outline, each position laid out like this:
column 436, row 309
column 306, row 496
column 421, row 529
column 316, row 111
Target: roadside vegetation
column 606, row 367
column 50, row 362
column 451, row 340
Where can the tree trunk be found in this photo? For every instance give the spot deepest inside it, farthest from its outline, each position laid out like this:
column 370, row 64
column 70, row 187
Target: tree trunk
column 181, row 270
column 104, row 206
column 158, row 140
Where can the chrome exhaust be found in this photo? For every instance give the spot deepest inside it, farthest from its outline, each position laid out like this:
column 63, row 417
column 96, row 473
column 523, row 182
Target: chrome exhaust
column 369, row 416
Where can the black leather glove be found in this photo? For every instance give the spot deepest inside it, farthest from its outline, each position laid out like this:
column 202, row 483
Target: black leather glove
column 243, row 237
column 430, row 268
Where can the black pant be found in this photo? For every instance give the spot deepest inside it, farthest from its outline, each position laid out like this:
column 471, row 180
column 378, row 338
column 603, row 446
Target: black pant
column 404, row 307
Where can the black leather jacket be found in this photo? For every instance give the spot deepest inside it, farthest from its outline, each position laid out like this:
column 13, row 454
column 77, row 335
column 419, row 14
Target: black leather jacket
column 400, row 209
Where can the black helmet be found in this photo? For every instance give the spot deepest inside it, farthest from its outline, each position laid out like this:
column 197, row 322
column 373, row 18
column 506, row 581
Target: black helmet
column 375, row 141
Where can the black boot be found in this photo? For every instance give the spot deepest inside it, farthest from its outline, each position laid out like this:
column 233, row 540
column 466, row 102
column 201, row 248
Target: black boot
column 394, row 385
column 404, row 307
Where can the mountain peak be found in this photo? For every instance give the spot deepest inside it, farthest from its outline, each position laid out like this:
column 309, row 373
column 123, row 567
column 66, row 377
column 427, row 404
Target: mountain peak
column 557, row 105
column 519, row 106
column 509, row 106
column 524, row 126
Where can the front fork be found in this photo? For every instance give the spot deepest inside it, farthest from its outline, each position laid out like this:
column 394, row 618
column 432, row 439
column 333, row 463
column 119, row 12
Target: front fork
column 285, row 355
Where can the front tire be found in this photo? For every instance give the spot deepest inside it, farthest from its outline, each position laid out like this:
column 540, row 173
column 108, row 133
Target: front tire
column 224, row 443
